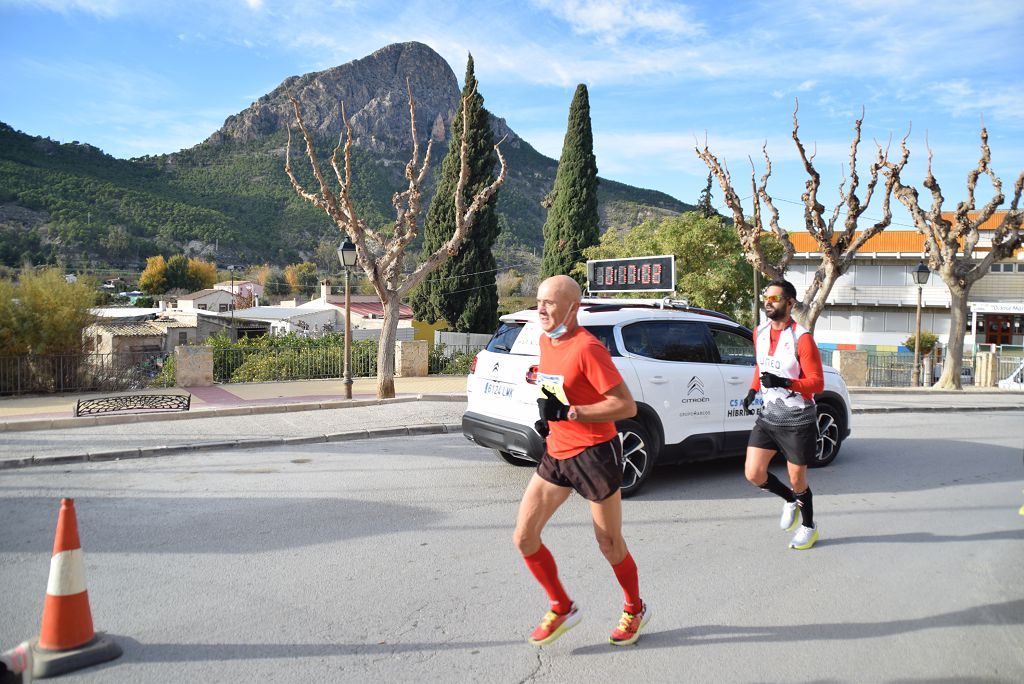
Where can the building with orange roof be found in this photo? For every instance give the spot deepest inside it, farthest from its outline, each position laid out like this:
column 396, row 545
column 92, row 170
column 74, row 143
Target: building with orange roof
column 873, row 305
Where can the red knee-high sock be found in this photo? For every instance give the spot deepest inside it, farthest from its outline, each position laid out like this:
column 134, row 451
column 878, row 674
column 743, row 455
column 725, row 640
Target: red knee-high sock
column 542, row 565
column 627, row 575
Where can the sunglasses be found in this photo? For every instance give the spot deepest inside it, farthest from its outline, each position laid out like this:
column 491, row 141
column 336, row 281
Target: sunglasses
column 774, row 298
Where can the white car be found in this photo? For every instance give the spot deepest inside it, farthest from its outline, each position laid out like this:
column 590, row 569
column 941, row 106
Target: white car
column 1014, row 380
column 688, row 370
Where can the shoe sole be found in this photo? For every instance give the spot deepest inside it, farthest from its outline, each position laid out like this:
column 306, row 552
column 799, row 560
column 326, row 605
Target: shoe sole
column 630, row 642
column 808, row 545
column 565, row 627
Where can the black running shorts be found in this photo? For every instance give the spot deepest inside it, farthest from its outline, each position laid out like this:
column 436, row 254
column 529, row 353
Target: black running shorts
column 798, row 443
column 595, row 472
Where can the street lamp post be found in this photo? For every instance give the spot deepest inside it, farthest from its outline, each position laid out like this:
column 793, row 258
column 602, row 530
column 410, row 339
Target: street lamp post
column 347, row 257
column 921, row 274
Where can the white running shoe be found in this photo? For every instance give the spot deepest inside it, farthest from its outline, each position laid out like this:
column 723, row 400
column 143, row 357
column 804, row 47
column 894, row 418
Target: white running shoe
column 804, row 537
column 790, row 516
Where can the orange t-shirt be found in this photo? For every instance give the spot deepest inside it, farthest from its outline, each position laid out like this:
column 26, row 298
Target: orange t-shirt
column 582, row 366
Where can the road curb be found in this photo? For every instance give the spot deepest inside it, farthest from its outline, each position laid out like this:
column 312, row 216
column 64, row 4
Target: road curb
column 173, row 449
column 934, row 409
column 222, row 412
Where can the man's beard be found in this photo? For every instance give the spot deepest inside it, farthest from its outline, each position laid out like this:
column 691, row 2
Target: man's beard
column 778, row 314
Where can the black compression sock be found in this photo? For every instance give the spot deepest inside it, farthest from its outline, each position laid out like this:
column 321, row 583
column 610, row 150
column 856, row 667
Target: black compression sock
column 775, row 486
column 806, row 508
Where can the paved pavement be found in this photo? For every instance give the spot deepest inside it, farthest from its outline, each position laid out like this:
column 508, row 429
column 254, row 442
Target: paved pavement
column 42, row 430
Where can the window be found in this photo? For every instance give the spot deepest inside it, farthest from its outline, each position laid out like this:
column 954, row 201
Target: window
column 898, row 321
column 222, row 308
column 874, row 321
column 1002, row 268
column 667, row 341
column 182, row 338
column 505, row 337
column 895, row 274
column 839, row 320
column 201, row 306
column 733, row 349
column 604, row 333
column 867, row 275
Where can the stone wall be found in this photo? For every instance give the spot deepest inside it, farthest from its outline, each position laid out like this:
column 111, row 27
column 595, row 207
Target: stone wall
column 852, row 365
column 411, row 358
column 193, row 366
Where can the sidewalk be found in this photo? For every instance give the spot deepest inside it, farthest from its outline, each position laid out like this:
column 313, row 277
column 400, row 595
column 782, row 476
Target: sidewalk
column 45, row 412
column 42, row 430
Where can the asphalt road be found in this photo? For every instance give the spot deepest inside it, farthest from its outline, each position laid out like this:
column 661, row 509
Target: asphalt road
column 391, row 560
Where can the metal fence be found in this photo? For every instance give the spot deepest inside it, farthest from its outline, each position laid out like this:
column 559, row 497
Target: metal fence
column 51, row 373
column 292, row 363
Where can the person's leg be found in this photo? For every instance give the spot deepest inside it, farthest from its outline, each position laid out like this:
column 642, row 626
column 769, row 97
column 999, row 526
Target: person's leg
column 756, row 470
column 802, row 449
column 540, row 501
column 607, row 516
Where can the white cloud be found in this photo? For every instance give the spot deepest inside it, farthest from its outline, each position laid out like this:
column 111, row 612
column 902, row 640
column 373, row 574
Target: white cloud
column 611, row 20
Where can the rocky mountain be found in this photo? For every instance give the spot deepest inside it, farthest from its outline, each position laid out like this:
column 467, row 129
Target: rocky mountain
column 228, row 197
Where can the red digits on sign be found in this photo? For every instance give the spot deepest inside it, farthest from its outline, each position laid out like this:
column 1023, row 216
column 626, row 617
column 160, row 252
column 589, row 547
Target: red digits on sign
column 656, row 274
column 645, row 274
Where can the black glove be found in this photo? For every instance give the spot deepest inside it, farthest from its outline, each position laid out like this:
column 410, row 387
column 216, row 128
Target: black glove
column 541, row 426
column 551, row 408
column 749, row 398
column 771, row 380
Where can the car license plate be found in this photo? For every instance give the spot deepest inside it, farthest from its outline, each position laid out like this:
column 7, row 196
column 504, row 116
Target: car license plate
column 499, row 389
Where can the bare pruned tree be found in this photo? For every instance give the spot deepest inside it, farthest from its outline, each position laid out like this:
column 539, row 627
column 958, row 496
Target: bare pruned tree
column 951, row 239
column 381, row 253
column 835, row 232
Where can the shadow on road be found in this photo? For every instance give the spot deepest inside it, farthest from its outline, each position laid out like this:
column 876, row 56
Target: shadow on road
column 229, row 525
column 864, row 466
column 992, row 614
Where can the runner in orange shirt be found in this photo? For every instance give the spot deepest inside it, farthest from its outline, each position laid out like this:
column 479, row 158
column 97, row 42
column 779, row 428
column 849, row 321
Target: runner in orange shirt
column 583, row 396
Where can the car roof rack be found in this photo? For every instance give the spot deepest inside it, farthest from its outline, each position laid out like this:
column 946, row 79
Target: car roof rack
column 599, row 304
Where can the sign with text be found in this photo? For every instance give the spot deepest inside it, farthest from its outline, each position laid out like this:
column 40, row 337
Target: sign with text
column 635, row 274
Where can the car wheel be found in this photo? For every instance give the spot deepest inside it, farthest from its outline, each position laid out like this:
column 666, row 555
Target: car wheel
column 638, row 454
column 515, row 460
column 829, row 436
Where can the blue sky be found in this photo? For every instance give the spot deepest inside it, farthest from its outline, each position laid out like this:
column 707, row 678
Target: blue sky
column 137, row 77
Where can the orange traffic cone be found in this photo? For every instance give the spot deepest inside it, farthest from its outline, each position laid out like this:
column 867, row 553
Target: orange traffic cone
column 67, row 641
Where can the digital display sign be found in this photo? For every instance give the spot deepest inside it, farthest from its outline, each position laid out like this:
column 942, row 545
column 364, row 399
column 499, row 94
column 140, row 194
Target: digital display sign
column 635, row 274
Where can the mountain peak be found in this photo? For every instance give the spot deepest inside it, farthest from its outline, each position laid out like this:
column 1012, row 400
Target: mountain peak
column 373, row 91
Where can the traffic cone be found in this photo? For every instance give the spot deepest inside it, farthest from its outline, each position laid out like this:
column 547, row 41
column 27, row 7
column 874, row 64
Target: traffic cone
column 67, row 641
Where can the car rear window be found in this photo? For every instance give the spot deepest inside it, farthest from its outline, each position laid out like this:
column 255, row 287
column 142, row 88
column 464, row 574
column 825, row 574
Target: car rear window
column 505, row 337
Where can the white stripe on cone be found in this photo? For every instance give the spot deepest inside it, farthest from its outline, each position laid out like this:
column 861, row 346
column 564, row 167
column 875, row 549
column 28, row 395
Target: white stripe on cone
column 67, row 574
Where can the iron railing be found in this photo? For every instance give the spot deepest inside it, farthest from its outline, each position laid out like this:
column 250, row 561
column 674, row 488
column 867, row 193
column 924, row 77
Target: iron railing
column 296, row 362
column 52, row 373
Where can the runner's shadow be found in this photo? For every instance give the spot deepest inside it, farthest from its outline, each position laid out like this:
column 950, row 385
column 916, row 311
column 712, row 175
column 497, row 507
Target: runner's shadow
column 998, row 614
column 927, row 538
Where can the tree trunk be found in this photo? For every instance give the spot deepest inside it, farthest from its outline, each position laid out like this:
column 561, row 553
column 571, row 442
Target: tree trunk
column 386, row 348
column 806, row 312
column 953, row 362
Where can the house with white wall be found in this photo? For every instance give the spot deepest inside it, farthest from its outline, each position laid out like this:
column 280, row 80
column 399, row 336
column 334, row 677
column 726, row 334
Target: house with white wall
column 207, row 300
column 873, row 305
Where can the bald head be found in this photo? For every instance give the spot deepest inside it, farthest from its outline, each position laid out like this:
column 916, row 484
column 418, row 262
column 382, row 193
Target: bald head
column 558, row 300
column 562, row 286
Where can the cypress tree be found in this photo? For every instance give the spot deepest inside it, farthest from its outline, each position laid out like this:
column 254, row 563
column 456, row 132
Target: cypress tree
column 572, row 223
column 462, row 289
column 704, row 206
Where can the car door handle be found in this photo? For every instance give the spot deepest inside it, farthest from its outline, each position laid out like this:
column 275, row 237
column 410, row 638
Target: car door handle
column 658, row 379
column 734, row 379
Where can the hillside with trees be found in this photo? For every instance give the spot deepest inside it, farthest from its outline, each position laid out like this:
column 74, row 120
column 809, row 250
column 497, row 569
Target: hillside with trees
column 228, row 199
